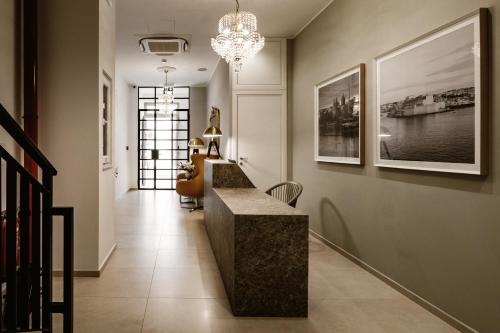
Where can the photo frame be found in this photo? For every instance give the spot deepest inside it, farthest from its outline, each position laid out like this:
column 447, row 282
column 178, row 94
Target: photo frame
column 339, row 118
column 432, row 100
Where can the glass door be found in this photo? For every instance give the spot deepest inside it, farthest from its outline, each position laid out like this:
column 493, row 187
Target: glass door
column 163, row 138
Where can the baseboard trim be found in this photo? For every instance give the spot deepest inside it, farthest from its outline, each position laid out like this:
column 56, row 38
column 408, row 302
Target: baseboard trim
column 78, row 273
column 88, row 273
column 456, row 323
column 106, row 260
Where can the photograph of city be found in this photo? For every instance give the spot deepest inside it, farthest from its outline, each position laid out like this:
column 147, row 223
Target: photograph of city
column 338, row 119
column 426, row 97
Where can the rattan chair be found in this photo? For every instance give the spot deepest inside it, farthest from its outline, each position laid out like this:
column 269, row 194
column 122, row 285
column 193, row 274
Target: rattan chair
column 287, row 192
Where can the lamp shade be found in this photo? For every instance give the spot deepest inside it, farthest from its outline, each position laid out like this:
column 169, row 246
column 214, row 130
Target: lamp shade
column 196, row 143
column 212, row 132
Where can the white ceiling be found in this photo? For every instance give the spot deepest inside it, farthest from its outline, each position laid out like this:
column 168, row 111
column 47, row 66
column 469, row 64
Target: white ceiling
column 198, row 18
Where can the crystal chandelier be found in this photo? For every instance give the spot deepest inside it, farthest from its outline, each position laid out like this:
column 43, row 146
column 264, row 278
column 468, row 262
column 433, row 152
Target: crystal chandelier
column 238, row 38
column 166, row 102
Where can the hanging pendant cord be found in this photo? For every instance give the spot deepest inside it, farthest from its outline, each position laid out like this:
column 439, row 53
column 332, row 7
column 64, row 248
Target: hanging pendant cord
column 166, row 83
column 237, row 6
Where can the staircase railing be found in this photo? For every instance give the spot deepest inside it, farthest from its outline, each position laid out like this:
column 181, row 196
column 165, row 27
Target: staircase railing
column 26, row 269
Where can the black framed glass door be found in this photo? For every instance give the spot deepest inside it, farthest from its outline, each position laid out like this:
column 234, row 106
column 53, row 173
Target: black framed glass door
column 163, row 137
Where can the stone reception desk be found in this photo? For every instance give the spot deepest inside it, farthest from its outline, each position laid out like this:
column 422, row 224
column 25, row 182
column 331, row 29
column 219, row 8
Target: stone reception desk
column 260, row 244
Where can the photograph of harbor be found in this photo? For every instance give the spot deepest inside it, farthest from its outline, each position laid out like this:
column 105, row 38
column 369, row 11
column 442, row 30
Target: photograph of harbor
column 427, row 100
column 338, row 118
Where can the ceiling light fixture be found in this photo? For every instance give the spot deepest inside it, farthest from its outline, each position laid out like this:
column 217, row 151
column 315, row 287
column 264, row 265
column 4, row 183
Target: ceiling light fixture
column 238, row 39
column 167, row 99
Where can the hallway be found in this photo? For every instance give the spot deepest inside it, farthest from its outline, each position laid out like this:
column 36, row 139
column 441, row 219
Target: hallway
column 163, row 277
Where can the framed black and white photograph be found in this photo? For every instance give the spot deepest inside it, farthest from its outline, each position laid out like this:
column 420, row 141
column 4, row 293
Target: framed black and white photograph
column 432, row 100
column 339, row 118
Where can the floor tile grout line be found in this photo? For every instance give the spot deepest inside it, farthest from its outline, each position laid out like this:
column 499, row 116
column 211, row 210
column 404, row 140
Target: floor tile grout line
column 150, row 284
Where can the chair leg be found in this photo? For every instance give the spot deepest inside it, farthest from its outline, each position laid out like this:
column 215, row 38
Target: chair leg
column 191, row 201
column 197, row 205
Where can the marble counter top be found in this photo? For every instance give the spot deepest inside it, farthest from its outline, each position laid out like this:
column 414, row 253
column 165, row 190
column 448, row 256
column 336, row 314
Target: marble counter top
column 252, row 201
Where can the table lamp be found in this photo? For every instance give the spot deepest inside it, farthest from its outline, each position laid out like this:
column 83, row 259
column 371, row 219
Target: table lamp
column 212, row 132
column 196, row 144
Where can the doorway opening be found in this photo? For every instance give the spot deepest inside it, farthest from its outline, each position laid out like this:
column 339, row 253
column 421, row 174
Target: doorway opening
column 163, row 137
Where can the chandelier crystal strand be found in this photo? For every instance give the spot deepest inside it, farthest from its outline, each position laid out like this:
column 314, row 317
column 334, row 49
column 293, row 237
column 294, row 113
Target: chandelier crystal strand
column 167, row 99
column 238, row 39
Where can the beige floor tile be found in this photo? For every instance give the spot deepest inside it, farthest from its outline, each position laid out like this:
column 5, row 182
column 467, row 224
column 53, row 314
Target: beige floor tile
column 144, row 212
column 187, row 283
column 330, row 261
column 123, row 218
column 323, row 317
column 132, row 258
column 124, row 282
column 194, row 258
column 184, row 241
column 341, row 316
column 181, row 241
column 403, row 316
column 164, row 315
column 359, row 284
column 151, row 229
column 173, row 229
column 214, row 315
column 320, row 287
column 324, row 258
column 106, row 315
column 137, row 242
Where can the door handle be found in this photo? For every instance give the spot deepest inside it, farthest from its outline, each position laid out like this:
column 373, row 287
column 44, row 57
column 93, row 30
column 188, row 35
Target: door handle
column 155, row 154
column 243, row 159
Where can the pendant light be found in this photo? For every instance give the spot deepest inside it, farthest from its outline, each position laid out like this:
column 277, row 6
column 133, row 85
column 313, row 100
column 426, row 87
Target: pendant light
column 167, row 98
column 238, row 39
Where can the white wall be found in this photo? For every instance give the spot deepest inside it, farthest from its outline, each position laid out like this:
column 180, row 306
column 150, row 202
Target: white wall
column 219, row 95
column 125, row 135
column 262, row 84
column 132, row 136
column 107, row 24
column 69, row 117
column 122, row 129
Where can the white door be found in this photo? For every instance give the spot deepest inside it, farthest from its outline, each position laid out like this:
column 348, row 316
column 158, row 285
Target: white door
column 261, row 137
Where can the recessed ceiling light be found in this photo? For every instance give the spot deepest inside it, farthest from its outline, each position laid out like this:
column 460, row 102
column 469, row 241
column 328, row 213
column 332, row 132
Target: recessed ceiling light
column 202, row 69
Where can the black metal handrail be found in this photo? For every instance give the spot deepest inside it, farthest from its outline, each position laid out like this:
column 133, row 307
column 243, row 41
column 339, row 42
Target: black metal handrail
column 27, row 231
column 17, row 133
column 20, row 168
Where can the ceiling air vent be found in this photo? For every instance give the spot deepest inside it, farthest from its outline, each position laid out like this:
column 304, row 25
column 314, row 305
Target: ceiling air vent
column 164, row 46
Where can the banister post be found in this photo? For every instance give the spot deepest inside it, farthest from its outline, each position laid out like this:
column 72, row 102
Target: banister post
column 66, row 307
column 47, row 182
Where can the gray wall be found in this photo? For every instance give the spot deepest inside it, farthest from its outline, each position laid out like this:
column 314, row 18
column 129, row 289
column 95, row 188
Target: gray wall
column 198, row 112
column 435, row 234
column 219, row 95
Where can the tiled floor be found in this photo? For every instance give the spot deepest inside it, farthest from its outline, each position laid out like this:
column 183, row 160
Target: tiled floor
column 163, row 278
